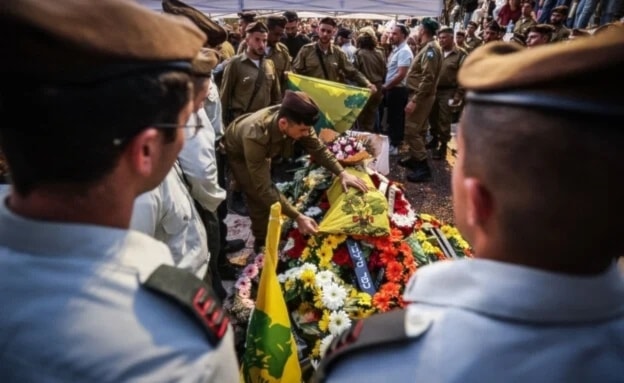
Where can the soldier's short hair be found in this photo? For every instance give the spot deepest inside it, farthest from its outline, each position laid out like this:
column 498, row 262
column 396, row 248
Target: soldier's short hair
column 328, row 21
column 276, row 21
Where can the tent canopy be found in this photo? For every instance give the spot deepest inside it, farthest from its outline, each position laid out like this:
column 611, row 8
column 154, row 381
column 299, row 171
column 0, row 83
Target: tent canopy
column 332, row 7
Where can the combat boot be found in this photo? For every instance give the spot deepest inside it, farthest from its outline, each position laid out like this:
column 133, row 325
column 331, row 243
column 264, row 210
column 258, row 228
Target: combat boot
column 420, row 173
column 440, row 153
column 433, row 144
column 408, row 162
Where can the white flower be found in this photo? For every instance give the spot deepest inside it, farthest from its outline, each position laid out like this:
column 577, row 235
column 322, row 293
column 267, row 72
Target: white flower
column 282, row 278
column 324, row 278
column 348, row 148
column 333, row 296
column 325, row 344
column 291, row 273
column 313, row 211
column 338, row 322
column 314, row 363
column 308, row 266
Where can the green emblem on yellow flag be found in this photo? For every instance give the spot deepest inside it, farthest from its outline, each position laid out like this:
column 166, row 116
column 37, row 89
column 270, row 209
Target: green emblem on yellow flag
column 340, row 104
column 270, row 349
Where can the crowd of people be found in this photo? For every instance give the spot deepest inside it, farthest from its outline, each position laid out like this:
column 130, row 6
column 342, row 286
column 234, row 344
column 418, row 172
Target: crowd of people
column 113, row 246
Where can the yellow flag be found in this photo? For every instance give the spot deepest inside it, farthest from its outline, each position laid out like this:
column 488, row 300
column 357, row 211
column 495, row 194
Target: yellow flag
column 340, row 104
column 270, row 348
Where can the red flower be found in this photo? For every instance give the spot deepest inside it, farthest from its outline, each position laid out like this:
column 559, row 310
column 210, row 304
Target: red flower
column 300, row 244
column 374, row 261
column 341, row 256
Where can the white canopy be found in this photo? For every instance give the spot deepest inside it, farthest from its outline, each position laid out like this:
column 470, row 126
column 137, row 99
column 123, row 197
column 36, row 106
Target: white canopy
column 333, row 7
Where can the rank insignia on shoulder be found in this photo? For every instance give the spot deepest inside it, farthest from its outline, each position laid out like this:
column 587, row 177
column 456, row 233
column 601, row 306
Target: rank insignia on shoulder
column 430, row 53
column 190, row 292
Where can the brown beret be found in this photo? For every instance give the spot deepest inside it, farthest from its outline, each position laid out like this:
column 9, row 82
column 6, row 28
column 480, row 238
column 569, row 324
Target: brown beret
column 205, row 61
column 562, row 10
column 446, row 29
column 544, row 29
column 247, row 16
column 276, row 21
column 301, row 104
column 216, row 33
column 461, row 33
column 257, row 26
column 578, row 76
column 328, row 21
column 78, row 41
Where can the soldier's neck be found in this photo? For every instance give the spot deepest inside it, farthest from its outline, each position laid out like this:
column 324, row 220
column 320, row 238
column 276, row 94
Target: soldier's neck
column 324, row 47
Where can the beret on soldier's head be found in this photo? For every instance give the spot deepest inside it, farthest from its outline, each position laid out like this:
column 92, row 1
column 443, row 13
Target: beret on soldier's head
column 83, row 41
column 216, row 33
column 205, row 61
column 430, row 25
column 574, row 77
column 300, row 104
column 368, row 31
column 276, row 21
column 257, row 26
column 328, row 21
column 249, row 17
column 460, row 33
column 543, row 29
column 562, row 10
column 445, row 29
column 519, row 38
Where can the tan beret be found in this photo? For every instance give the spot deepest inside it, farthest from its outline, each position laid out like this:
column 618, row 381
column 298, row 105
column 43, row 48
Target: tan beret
column 368, row 31
column 301, row 104
column 77, row 40
column 205, row 61
column 257, row 26
column 216, row 33
column 577, row 76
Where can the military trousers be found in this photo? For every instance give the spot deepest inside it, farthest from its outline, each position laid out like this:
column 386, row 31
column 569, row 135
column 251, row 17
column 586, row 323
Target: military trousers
column 258, row 211
column 441, row 116
column 416, row 128
column 368, row 116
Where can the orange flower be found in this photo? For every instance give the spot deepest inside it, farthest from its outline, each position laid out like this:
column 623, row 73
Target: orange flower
column 392, row 289
column 382, row 301
column 394, row 271
column 389, row 256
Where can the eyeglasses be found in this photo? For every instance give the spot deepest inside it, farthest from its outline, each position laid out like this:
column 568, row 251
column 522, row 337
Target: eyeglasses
column 167, row 125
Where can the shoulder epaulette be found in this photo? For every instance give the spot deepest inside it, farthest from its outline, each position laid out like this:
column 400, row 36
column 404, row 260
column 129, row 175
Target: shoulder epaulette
column 375, row 331
column 190, row 292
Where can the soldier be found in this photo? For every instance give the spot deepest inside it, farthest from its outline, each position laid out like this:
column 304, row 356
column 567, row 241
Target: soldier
column 216, row 34
column 276, row 51
column 422, row 80
column 324, row 60
column 558, row 17
column 460, row 39
column 250, row 81
column 371, row 62
column 448, row 94
column 292, row 38
column 526, row 19
column 83, row 298
column 539, row 34
column 489, row 319
column 244, row 19
column 251, row 141
column 492, row 32
column 472, row 41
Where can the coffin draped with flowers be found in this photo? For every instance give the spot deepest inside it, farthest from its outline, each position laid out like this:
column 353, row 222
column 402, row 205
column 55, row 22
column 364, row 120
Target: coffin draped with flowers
column 368, row 246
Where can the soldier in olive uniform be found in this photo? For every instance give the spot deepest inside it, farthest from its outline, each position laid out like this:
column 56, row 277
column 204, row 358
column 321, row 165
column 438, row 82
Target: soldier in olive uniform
column 472, row 41
column 447, row 90
column 558, row 17
column 244, row 19
column 322, row 59
column 422, row 80
column 250, row 81
column 526, row 19
column 251, row 141
column 539, row 34
column 277, row 51
column 371, row 62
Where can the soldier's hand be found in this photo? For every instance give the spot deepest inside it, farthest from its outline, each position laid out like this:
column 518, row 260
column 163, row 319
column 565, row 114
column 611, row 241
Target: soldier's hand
column 372, row 88
column 347, row 179
column 306, row 225
column 410, row 107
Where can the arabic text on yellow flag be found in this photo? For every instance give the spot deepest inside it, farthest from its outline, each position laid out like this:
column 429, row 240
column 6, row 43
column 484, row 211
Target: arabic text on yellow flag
column 270, row 349
column 340, row 104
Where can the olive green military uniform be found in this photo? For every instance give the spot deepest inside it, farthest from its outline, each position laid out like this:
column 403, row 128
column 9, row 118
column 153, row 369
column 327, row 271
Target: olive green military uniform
column 251, row 141
column 441, row 114
column 242, row 47
column 238, row 84
column 523, row 25
column 282, row 60
column 422, row 81
column 372, row 64
column 472, row 43
column 338, row 67
column 561, row 33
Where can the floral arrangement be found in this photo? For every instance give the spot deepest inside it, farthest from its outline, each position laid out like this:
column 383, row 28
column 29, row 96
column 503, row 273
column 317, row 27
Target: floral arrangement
column 317, row 273
column 349, row 149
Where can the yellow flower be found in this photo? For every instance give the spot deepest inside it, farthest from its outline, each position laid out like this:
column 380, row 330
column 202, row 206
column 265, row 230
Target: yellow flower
column 426, row 217
column 323, row 324
column 305, row 254
column 312, row 241
column 420, row 236
column 363, row 299
column 325, row 254
column 289, row 284
column 318, row 298
column 308, row 278
column 428, row 248
column 316, row 351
